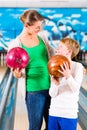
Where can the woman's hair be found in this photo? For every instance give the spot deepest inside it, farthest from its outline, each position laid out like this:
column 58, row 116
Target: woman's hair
column 71, row 44
column 30, row 17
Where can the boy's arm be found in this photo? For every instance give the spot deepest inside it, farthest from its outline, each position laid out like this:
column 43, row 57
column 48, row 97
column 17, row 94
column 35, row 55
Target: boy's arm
column 75, row 82
column 53, row 91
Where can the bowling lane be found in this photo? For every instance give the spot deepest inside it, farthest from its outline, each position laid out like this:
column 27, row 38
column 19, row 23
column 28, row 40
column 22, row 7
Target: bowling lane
column 2, row 72
column 84, row 83
column 21, row 120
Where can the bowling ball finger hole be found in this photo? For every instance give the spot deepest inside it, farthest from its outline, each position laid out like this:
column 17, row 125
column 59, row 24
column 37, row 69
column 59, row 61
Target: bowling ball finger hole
column 19, row 61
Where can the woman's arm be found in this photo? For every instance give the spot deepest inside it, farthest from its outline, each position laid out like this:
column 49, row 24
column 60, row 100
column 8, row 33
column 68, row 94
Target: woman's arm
column 50, row 49
column 17, row 73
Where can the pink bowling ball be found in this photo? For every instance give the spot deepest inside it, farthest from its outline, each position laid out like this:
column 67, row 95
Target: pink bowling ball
column 17, row 57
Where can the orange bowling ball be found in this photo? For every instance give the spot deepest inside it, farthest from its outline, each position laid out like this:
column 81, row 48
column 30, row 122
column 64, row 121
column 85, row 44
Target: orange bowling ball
column 54, row 65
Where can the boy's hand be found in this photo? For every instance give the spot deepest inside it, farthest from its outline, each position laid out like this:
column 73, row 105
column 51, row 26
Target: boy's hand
column 65, row 70
column 56, row 81
column 84, row 71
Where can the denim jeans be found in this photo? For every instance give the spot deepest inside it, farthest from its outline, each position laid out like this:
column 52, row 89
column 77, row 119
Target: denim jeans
column 37, row 106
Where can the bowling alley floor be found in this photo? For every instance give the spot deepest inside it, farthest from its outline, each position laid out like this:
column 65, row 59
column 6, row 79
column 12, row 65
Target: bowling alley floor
column 2, row 72
column 21, row 121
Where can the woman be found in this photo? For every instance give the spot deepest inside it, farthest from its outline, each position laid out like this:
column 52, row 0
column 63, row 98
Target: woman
column 33, row 40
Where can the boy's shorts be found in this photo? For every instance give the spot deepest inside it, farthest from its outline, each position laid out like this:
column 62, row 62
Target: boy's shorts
column 59, row 123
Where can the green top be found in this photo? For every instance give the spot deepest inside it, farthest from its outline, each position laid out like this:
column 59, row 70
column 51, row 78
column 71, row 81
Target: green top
column 37, row 76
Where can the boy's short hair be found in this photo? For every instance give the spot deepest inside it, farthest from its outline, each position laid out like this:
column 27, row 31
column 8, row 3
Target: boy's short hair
column 71, row 44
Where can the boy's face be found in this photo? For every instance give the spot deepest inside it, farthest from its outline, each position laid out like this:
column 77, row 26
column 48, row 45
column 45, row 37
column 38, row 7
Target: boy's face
column 62, row 50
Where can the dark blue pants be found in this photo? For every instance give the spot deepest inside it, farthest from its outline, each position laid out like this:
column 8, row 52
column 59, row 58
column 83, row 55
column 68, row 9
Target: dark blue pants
column 37, row 106
column 59, row 123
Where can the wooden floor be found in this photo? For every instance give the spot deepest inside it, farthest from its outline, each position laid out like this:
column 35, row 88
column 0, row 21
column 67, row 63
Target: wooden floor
column 2, row 72
column 21, row 121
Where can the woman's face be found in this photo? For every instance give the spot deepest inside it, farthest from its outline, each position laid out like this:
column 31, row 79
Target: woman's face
column 34, row 29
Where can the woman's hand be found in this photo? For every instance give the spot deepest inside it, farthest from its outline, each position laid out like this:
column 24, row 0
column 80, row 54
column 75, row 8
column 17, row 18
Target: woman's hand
column 17, row 72
column 65, row 70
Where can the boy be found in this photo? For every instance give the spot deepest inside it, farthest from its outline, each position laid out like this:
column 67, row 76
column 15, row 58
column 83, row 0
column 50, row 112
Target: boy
column 64, row 92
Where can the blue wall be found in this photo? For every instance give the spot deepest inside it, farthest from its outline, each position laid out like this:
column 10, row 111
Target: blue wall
column 61, row 22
